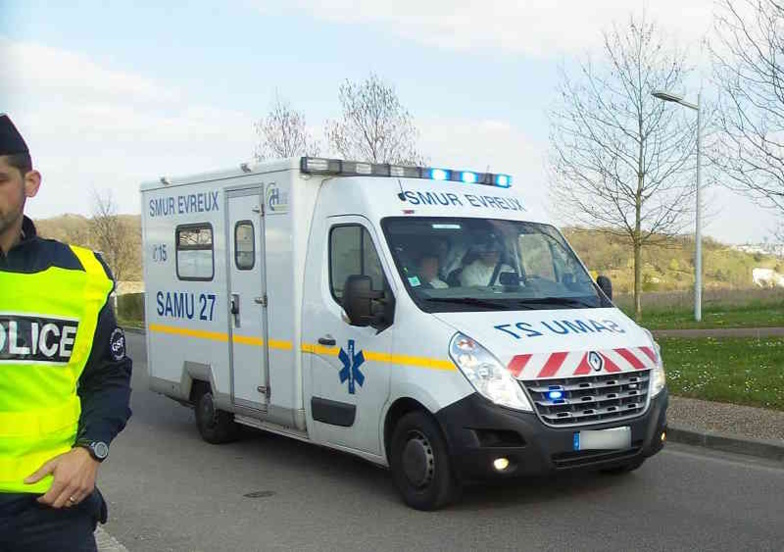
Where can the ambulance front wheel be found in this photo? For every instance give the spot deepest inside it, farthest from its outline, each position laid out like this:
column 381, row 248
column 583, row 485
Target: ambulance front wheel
column 215, row 426
column 420, row 463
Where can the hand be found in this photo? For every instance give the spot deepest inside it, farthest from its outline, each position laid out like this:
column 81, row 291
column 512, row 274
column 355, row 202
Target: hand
column 74, row 477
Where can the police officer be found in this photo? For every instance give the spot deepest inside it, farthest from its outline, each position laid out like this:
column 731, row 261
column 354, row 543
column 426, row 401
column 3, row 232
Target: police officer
column 64, row 374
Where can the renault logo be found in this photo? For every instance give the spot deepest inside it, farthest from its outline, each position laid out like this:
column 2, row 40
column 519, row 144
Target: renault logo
column 596, row 361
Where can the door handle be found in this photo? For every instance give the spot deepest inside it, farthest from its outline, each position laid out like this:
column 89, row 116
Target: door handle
column 327, row 340
column 234, row 308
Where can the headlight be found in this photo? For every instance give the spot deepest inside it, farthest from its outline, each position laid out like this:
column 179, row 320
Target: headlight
column 486, row 374
column 658, row 379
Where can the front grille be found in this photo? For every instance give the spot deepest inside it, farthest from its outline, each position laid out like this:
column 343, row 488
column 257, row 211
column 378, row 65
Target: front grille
column 591, row 399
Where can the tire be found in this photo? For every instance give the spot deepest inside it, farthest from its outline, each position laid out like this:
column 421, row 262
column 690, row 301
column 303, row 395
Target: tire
column 215, row 426
column 420, row 463
column 628, row 467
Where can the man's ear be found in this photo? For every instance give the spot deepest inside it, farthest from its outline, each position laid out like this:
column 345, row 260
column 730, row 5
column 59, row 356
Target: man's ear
column 32, row 181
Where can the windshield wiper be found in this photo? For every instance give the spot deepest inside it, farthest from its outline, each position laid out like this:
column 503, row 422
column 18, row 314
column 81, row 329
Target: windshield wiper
column 560, row 301
column 470, row 301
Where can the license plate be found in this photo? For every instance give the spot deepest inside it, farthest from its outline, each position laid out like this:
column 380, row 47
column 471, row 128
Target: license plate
column 616, row 438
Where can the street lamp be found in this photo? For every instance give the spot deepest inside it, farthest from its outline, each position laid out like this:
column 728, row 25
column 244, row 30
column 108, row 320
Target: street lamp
column 670, row 97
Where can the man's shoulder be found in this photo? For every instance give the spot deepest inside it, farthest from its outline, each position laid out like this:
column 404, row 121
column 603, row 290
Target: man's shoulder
column 44, row 253
column 38, row 254
column 59, row 254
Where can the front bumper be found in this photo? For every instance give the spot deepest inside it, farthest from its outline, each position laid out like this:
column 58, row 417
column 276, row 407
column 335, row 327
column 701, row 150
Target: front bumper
column 478, row 431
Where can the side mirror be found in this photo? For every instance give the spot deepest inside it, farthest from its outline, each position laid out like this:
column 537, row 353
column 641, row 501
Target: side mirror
column 605, row 284
column 356, row 299
column 358, row 296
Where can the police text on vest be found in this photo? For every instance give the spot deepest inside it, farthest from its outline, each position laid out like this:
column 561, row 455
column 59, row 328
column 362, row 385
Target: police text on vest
column 36, row 339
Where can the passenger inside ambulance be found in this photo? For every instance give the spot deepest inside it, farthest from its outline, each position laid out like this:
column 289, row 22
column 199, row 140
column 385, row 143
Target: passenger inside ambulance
column 429, row 273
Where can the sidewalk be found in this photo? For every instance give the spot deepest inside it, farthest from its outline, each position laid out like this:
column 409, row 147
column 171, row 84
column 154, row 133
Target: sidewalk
column 728, row 427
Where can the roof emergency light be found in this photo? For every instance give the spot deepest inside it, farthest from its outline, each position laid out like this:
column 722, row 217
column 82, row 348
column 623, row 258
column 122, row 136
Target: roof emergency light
column 338, row 167
column 503, row 180
column 468, row 177
column 439, row 174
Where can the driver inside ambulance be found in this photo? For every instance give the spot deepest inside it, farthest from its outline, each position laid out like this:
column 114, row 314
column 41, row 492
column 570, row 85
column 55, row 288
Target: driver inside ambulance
column 484, row 270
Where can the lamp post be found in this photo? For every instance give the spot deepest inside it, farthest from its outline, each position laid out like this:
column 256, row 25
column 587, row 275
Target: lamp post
column 670, row 97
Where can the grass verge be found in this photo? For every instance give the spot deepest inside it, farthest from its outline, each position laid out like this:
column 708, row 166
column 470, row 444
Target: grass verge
column 129, row 323
column 746, row 316
column 733, row 370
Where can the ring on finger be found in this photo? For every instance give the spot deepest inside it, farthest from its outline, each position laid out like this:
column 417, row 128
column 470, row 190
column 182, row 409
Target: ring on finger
column 72, row 500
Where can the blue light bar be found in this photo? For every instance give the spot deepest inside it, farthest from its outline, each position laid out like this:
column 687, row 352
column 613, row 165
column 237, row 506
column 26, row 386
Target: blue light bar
column 439, row 174
column 468, row 177
column 554, row 395
column 336, row 167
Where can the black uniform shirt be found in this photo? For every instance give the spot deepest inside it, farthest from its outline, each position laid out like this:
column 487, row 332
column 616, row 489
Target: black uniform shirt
column 105, row 384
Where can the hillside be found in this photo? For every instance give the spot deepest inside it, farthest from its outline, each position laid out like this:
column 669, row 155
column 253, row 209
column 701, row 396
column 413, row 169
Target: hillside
column 670, row 266
column 666, row 268
column 78, row 230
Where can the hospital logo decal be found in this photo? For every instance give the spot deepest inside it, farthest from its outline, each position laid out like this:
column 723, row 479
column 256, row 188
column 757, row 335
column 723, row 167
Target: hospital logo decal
column 351, row 363
column 277, row 199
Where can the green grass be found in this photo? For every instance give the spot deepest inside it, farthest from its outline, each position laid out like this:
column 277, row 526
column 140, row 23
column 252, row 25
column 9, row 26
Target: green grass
column 753, row 315
column 736, row 370
column 129, row 323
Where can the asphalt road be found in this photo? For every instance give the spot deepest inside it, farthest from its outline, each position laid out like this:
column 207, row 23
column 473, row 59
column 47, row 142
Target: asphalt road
column 168, row 490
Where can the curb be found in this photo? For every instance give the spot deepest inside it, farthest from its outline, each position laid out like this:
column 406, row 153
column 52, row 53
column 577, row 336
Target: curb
column 107, row 543
column 769, row 450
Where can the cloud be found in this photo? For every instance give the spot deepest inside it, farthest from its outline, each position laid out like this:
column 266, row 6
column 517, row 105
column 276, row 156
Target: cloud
column 47, row 70
column 488, row 145
column 542, row 29
column 92, row 126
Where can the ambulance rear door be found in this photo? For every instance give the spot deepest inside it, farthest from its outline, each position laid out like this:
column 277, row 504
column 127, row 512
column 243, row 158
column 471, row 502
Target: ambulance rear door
column 247, row 298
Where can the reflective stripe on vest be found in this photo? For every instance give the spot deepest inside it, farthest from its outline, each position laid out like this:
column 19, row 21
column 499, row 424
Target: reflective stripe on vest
column 47, row 323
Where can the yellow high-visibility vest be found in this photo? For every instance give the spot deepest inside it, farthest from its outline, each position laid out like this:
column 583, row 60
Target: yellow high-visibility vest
column 47, row 323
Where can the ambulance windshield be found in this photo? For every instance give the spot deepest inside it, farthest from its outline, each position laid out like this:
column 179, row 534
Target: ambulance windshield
column 468, row 264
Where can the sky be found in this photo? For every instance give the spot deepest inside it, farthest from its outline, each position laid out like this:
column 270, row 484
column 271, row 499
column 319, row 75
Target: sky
column 109, row 94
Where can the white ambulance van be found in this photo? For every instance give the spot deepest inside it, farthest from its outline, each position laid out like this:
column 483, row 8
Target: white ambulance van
column 423, row 319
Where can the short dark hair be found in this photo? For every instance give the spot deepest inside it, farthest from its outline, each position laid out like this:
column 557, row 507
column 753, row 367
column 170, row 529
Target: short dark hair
column 21, row 162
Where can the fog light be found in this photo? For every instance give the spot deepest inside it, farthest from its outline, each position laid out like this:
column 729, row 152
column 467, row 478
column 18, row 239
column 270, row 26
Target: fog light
column 663, row 436
column 500, row 464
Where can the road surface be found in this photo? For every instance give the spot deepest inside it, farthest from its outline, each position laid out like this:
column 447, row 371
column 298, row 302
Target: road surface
column 168, row 490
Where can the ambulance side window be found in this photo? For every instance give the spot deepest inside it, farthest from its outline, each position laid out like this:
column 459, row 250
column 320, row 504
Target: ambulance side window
column 351, row 252
column 244, row 245
column 195, row 253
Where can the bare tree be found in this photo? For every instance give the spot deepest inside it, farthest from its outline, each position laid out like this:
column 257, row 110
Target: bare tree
column 620, row 159
column 110, row 235
column 749, row 70
column 283, row 133
column 375, row 126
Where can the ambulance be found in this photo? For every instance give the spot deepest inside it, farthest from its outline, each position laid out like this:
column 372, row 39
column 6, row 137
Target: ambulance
column 428, row 320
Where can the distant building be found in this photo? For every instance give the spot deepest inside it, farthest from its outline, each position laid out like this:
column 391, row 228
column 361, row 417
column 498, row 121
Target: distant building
column 776, row 249
column 767, row 278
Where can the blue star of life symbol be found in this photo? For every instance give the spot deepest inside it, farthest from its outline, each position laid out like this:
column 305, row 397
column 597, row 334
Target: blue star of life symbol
column 351, row 363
